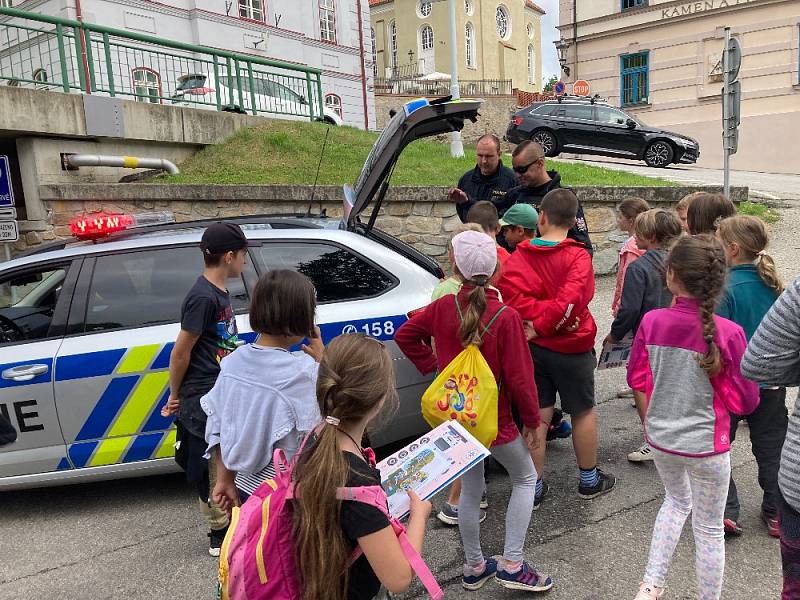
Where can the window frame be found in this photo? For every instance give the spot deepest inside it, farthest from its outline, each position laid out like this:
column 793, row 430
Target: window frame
column 331, row 244
column 470, row 47
column 422, row 31
column 633, row 72
column 37, row 77
column 393, row 42
column 6, row 3
column 469, row 7
column 632, row 4
column 340, row 110
column 564, row 108
column 422, row 14
column 502, row 9
column 531, row 64
column 250, row 11
column 147, row 99
column 598, row 108
column 331, row 11
column 373, row 38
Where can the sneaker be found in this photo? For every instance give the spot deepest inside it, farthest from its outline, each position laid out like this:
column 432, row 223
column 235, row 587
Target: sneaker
column 605, row 483
column 449, row 514
column 626, row 393
column 538, row 500
column 484, row 501
column 215, row 538
column 773, row 529
column 526, row 579
column 642, row 454
column 649, row 592
column 561, row 431
column 475, row 582
column 732, row 528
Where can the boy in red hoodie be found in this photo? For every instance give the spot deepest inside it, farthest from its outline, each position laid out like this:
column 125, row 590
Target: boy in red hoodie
column 550, row 282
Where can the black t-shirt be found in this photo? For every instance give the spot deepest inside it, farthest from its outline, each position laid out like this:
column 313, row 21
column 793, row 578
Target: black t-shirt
column 357, row 520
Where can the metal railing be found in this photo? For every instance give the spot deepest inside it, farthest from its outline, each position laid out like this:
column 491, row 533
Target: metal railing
column 48, row 53
column 441, row 87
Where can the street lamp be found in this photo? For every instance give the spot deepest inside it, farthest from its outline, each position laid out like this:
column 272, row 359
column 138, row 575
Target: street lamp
column 561, row 47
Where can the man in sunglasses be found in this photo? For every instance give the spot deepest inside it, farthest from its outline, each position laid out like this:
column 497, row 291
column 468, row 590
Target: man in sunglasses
column 489, row 180
column 535, row 180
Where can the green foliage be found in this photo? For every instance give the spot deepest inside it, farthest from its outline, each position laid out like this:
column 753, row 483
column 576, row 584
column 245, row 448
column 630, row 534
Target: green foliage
column 762, row 211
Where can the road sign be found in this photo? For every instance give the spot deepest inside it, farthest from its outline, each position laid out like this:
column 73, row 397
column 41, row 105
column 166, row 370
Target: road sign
column 8, row 231
column 6, row 190
column 560, row 88
column 734, row 59
column 8, row 213
column 580, row 87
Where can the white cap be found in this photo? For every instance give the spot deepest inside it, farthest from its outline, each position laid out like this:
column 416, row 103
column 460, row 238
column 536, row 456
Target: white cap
column 475, row 254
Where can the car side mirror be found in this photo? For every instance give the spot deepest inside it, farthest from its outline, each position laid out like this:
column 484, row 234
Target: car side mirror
column 631, row 124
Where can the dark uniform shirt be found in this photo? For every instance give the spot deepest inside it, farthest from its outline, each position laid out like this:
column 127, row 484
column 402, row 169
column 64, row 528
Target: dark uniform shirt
column 479, row 187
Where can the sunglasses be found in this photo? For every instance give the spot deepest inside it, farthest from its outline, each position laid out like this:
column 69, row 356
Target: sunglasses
column 522, row 169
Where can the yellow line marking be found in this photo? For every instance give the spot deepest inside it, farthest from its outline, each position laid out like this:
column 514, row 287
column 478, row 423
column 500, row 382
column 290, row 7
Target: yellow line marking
column 140, row 404
column 110, row 451
column 138, row 359
column 167, row 447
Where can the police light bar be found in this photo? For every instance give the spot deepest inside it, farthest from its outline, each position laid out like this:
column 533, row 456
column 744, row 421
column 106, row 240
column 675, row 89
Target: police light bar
column 92, row 227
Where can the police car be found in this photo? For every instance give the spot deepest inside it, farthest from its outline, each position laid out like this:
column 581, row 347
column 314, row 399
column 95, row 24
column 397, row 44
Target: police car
column 87, row 324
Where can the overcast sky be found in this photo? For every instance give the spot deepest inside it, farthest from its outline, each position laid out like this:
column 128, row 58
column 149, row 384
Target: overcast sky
column 549, row 35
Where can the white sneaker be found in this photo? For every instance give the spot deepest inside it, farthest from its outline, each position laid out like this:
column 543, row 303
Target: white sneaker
column 649, row 592
column 643, row 454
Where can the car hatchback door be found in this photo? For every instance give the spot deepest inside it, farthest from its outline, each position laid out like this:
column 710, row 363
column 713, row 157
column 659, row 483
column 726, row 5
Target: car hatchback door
column 34, row 302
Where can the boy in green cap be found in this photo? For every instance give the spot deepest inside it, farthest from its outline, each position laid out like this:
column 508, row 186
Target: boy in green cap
column 519, row 224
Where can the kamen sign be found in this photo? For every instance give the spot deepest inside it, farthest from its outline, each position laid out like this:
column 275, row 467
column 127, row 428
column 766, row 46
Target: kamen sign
column 691, row 8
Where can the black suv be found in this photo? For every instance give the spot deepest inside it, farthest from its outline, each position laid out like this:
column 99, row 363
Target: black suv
column 590, row 126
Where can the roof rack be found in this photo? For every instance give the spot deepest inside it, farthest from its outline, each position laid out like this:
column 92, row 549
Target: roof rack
column 287, row 220
column 590, row 99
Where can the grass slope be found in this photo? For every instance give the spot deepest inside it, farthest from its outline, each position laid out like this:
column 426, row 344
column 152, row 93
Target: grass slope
column 288, row 152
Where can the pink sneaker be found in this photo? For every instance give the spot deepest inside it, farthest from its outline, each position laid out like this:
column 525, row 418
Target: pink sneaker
column 648, row 591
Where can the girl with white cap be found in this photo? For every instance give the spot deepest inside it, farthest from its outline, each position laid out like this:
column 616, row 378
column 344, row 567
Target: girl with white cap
column 475, row 258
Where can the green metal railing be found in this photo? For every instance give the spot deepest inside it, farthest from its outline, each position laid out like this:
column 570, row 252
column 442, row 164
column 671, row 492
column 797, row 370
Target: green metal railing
column 48, row 52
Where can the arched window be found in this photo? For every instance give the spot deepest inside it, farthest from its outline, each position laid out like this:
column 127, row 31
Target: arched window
column 327, row 20
column 334, row 102
column 530, row 30
column 503, row 22
column 469, row 36
column 374, row 43
column 531, row 64
column 251, row 9
column 393, row 42
column 426, row 37
column 40, row 77
column 424, row 8
column 468, row 7
column 146, row 85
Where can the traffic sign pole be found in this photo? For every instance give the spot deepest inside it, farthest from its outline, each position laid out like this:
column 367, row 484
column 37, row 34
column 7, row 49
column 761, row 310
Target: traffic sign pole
column 726, row 116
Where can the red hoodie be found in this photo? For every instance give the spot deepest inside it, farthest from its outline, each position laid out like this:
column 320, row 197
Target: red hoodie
column 512, row 365
column 551, row 286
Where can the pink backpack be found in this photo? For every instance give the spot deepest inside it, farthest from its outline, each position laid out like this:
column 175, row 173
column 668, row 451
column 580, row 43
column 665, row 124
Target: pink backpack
column 257, row 557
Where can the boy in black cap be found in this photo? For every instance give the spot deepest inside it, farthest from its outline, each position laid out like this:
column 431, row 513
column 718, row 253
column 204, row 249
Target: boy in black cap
column 208, row 334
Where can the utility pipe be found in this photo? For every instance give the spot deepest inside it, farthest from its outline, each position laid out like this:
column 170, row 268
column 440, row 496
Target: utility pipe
column 127, row 162
column 84, row 55
column 362, row 58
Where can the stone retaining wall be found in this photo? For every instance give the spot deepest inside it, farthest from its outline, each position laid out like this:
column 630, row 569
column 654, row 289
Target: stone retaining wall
column 421, row 216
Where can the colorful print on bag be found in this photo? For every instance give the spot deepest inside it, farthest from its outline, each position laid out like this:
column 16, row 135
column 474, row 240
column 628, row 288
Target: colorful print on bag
column 465, row 391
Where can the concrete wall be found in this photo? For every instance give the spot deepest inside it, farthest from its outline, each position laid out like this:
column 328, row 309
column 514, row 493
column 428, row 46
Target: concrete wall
column 684, row 41
column 494, row 58
column 421, row 216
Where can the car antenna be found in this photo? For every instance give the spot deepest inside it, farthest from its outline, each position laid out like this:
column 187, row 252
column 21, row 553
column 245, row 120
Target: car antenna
column 316, row 177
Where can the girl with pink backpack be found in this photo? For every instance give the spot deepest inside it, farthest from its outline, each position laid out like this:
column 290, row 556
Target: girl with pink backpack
column 320, row 529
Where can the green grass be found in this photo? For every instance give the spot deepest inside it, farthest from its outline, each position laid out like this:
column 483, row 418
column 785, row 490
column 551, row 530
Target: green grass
column 762, row 211
column 288, row 152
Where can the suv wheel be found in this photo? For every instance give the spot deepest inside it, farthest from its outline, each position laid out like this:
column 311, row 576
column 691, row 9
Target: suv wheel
column 658, row 154
column 547, row 141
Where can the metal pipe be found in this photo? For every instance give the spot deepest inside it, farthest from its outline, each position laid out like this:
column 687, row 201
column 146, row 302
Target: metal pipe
column 84, row 57
column 127, row 162
column 456, row 147
column 363, row 69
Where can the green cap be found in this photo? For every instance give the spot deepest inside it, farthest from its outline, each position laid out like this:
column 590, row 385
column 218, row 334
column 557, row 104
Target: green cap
column 521, row 214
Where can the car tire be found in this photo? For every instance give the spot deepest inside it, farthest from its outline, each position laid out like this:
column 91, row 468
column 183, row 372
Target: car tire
column 547, row 140
column 659, row 154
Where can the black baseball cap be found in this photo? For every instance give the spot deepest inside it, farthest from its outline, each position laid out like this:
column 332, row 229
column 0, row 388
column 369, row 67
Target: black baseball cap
column 220, row 238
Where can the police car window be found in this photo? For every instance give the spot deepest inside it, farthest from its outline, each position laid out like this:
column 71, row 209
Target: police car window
column 577, row 111
column 27, row 303
column 147, row 288
column 338, row 275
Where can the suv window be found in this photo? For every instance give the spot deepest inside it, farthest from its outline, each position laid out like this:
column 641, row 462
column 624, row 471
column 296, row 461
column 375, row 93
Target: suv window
column 28, row 301
column 606, row 114
column 338, row 274
column 137, row 289
column 544, row 109
column 576, row 111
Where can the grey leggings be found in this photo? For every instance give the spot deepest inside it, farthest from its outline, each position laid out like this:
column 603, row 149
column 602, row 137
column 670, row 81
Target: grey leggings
column 516, row 459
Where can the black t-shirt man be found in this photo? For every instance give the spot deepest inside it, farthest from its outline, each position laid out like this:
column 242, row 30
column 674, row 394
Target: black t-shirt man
column 479, row 187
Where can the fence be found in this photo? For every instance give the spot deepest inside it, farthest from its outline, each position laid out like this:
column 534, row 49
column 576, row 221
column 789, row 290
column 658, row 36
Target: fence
column 441, row 87
column 60, row 54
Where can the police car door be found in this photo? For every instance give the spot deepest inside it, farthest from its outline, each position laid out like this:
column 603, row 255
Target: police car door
column 112, row 375
column 34, row 302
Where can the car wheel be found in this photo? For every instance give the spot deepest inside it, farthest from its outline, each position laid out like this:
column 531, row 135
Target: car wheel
column 547, row 141
column 658, row 154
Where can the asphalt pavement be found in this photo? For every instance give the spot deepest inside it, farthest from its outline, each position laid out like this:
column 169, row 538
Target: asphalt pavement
column 144, row 538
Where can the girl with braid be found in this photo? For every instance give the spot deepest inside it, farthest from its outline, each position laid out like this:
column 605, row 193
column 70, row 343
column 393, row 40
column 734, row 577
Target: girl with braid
column 685, row 359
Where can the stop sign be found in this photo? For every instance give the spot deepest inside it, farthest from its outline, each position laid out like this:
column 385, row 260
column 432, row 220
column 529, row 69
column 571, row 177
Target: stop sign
column 580, row 87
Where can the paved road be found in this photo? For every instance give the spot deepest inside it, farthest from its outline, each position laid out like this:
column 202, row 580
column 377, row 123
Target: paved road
column 766, row 186
column 143, row 538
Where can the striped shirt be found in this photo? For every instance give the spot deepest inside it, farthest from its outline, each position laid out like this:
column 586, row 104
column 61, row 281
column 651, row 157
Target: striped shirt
column 773, row 358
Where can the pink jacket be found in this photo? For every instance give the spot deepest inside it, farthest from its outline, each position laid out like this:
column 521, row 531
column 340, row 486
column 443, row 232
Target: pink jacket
column 627, row 254
column 688, row 413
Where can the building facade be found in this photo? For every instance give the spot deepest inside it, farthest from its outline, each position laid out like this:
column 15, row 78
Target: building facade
column 324, row 34
column 661, row 61
column 497, row 40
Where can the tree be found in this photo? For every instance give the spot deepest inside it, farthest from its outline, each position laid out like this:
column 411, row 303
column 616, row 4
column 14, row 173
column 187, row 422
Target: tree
column 548, row 87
